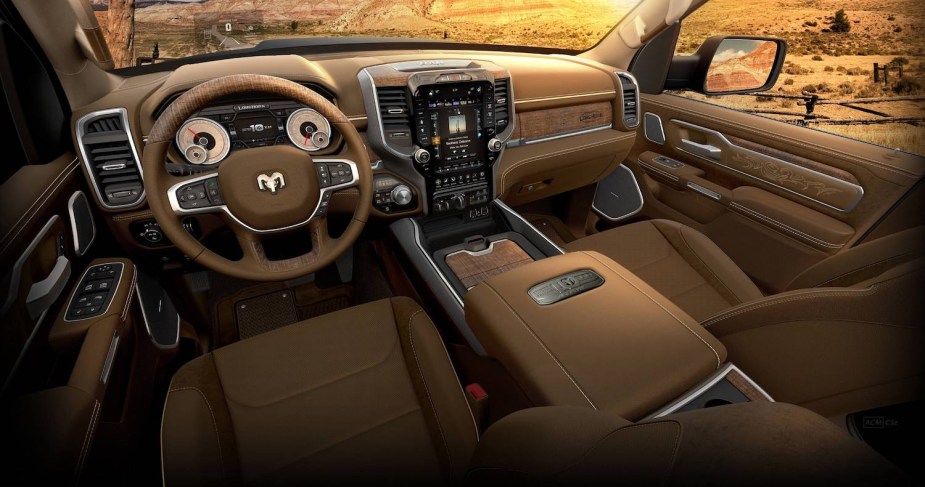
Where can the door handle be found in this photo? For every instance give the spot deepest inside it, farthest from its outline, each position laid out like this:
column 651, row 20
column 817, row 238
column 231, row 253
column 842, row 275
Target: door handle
column 44, row 293
column 702, row 150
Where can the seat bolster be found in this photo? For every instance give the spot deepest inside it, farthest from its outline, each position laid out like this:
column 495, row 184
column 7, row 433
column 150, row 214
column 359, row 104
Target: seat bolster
column 761, row 443
column 197, row 439
column 449, row 420
column 710, row 262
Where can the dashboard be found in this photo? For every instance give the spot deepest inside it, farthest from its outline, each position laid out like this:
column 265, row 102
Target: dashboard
column 446, row 132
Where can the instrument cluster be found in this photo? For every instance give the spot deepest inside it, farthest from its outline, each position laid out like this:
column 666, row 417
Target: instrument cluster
column 212, row 133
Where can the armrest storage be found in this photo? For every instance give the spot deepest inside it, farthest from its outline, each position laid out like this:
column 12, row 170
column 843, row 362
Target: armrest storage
column 617, row 345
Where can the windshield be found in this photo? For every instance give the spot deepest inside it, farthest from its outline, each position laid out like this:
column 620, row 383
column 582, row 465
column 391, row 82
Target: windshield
column 181, row 28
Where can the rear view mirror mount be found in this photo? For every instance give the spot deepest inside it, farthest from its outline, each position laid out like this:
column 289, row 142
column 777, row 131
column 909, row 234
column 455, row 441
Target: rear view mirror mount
column 726, row 65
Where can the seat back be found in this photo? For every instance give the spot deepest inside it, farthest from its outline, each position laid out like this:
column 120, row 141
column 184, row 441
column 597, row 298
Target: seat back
column 834, row 350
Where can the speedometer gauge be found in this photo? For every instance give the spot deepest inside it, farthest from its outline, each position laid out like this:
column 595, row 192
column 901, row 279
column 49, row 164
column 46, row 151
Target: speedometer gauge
column 203, row 141
column 308, row 129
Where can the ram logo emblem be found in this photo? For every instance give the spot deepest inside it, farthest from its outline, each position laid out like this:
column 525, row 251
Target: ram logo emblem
column 272, row 183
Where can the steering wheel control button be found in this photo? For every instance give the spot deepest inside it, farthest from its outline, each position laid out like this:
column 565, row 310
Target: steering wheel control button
column 213, row 192
column 565, row 286
column 324, row 204
column 340, row 173
column 324, row 177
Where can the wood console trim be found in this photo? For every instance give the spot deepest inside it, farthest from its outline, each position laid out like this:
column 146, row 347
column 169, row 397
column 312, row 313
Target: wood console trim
column 472, row 268
column 745, row 387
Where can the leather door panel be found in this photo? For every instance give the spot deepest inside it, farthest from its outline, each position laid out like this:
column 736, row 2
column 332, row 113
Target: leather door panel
column 37, row 257
column 776, row 197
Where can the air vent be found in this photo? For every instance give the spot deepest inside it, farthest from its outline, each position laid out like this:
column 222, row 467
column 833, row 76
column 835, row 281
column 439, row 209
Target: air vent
column 630, row 100
column 110, row 158
column 393, row 108
column 502, row 103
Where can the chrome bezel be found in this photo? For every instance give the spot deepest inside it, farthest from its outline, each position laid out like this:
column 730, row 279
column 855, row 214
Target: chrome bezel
column 224, row 133
column 298, row 143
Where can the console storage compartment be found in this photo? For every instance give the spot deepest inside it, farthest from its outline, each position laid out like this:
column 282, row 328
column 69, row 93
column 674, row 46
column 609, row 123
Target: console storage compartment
column 615, row 345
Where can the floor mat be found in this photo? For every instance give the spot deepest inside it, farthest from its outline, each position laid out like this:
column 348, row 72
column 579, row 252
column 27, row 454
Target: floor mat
column 265, row 313
column 277, row 309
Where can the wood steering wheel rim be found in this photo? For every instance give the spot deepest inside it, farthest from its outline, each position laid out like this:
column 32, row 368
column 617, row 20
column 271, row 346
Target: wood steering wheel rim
column 254, row 265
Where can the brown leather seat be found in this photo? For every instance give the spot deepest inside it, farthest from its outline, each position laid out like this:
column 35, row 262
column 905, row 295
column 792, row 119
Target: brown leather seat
column 367, row 394
column 679, row 262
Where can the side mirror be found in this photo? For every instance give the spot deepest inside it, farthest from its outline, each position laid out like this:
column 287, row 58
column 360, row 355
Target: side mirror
column 728, row 65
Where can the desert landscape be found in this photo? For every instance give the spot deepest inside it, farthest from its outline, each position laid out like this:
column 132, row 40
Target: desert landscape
column 835, row 67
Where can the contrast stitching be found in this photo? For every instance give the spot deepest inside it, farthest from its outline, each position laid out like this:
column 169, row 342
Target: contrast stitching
column 850, row 157
column 719, row 361
column 812, row 294
column 88, row 439
column 558, row 153
column 786, row 228
column 426, row 390
column 710, row 269
column 218, row 439
column 543, row 346
column 62, row 177
column 859, row 269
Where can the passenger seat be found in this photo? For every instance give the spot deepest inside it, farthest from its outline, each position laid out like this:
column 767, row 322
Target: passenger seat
column 679, row 262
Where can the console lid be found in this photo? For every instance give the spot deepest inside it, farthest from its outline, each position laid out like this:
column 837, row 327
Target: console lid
column 616, row 345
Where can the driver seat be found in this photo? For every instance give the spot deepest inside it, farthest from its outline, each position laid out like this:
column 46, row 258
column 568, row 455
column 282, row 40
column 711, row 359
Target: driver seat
column 367, row 393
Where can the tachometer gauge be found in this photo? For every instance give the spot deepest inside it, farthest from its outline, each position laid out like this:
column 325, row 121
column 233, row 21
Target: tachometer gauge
column 308, row 129
column 203, row 141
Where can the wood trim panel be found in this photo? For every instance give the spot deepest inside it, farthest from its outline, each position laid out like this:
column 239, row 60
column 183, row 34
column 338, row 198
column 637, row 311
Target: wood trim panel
column 745, row 387
column 558, row 121
column 799, row 161
column 385, row 75
column 472, row 269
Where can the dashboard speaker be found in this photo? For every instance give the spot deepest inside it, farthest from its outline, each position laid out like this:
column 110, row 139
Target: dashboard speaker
column 82, row 226
column 653, row 128
column 617, row 196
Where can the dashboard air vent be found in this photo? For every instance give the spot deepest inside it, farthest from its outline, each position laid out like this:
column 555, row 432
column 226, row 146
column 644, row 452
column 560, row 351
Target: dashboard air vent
column 630, row 100
column 393, row 108
column 502, row 103
column 110, row 158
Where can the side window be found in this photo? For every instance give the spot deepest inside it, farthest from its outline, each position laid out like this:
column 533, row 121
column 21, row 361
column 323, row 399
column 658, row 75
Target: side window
column 858, row 73
column 31, row 107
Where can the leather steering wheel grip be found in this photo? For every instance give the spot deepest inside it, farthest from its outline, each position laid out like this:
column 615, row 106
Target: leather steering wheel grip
column 253, row 266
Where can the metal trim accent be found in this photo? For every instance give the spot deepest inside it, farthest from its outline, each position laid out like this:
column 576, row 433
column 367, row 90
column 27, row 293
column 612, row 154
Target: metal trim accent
column 661, row 128
column 81, row 131
column 144, row 317
column 565, row 97
column 536, row 140
column 704, row 191
column 642, row 201
column 632, row 79
column 175, row 204
column 719, row 135
column 430, row 260
column 118, row 282
column 699, row 389
column 110, row 357
column 507, row 209
column 15, row 274
column 70, row 212
column 488, row 251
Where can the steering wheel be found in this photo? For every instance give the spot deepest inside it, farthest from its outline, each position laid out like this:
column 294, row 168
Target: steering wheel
column 259, row 191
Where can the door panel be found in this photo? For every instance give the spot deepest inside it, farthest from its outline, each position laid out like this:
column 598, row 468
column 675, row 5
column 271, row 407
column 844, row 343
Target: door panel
column 776, row 197
column 37, row 257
